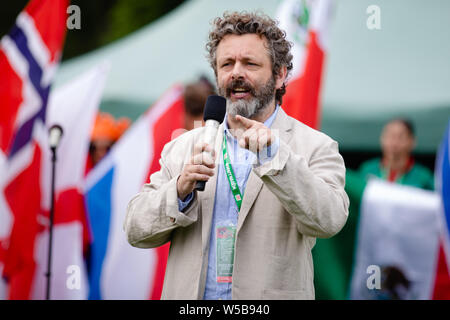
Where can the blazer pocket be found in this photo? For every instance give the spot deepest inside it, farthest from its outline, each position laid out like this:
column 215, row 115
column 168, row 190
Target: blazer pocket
column 284, row 274
column 275, row 294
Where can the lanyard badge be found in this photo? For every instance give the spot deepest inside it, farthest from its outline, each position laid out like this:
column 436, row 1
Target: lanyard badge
column 226, row 232
column 225, row 240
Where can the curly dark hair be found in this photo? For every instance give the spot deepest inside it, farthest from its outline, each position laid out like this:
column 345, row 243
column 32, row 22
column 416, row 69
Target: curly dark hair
column 258, row 23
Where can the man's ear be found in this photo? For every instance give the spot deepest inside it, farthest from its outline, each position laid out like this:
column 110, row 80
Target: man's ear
column 280, row 77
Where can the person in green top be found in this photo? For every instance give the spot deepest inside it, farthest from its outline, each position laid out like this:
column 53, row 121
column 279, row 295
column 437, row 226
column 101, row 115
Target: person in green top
column 397, row 164
column 333, row 258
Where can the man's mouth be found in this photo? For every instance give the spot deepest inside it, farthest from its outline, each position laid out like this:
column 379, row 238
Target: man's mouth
column 240, row 93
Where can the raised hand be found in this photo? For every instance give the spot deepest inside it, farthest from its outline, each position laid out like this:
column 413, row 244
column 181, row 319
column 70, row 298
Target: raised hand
column 256, row 135
column 199, row 168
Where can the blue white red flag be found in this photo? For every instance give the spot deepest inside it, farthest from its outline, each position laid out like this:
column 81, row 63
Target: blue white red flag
column 442, row 181
column 118, row 270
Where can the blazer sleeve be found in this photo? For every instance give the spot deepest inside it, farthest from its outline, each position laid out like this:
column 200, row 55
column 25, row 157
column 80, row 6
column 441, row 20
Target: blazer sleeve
column 312, row 191
column 154, row 213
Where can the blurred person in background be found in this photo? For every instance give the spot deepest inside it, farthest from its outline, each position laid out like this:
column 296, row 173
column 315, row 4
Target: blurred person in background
column 105, row 133
column 397, row 163
column 193, row 102
column 195, row 95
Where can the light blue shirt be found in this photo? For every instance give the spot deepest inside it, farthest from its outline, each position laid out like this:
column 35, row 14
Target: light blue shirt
column 225, row 208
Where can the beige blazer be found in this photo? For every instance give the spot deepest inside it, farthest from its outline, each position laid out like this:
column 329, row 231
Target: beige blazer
column 288, row 202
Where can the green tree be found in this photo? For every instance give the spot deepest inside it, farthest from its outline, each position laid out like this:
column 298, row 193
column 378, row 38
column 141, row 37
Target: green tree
column 127, row 16
column 102, row 21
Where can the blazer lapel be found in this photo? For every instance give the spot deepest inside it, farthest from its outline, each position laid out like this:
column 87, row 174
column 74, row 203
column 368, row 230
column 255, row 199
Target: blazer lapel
column 254, row 183
column 252, row 189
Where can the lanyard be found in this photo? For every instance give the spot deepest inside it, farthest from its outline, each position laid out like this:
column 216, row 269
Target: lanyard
column 230, row 174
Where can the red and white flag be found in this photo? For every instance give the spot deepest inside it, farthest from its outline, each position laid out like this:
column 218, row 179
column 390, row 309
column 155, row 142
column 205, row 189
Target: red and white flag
column 29, row 55
column 28, row 58
column 306, row 23
column 73, row 106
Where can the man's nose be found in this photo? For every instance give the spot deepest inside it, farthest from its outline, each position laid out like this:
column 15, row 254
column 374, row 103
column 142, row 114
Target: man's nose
column 238, row 71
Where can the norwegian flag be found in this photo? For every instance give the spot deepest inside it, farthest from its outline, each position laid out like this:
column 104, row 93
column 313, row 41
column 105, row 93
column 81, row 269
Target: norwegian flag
column 29, row 56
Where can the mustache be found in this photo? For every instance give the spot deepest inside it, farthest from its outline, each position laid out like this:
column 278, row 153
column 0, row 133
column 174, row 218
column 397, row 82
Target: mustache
column 239, row 83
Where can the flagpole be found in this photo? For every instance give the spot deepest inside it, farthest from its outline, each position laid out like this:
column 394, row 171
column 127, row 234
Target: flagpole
column 55, row 136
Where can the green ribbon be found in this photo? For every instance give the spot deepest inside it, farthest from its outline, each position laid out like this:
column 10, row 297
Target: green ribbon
column 230, row 174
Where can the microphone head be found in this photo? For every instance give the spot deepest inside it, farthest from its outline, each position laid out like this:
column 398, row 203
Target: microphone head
column 215, row 108
column 55, row 134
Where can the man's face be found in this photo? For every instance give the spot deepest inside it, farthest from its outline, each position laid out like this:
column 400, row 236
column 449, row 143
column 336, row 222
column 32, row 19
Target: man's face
column 244, row 74
column 396, row 140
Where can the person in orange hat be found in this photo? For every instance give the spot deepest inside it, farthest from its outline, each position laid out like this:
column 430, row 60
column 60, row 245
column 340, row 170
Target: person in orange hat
column 105, row 133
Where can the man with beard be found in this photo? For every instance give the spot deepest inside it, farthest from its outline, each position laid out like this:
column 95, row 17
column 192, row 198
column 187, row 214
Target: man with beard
column 249, row 235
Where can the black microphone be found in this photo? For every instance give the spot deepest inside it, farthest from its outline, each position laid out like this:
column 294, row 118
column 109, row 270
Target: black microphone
column 215, row 109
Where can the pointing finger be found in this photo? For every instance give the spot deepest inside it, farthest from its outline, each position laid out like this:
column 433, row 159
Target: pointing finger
column 246, row 122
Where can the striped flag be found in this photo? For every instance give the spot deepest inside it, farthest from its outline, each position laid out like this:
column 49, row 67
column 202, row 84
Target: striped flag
column 118, row 270
column 307, row 24
column 442, row 182
column 29, row 56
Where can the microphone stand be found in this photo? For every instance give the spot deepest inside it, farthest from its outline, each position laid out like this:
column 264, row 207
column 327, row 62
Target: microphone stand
column 52, row 214
column 55, row 134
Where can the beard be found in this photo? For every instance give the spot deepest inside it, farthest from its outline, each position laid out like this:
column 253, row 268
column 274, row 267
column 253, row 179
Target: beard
column 261, row 98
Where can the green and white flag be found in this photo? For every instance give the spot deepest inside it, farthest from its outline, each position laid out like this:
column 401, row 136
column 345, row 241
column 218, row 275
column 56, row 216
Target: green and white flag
column 397, row 242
